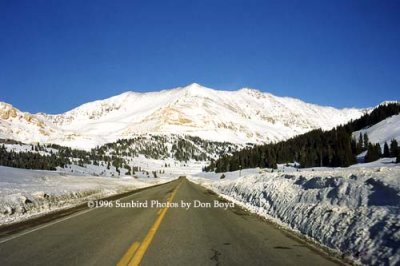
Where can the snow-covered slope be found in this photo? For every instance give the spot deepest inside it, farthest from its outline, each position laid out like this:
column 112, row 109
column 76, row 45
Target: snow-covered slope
column 242, row 116
column 382, row 132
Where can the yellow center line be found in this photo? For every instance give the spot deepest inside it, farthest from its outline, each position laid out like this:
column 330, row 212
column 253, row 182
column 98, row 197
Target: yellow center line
column 139, row 251
column 128, row 254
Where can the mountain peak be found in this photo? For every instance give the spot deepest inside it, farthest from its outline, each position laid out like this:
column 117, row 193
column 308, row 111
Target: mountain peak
column 196, row 89
column 194, row 85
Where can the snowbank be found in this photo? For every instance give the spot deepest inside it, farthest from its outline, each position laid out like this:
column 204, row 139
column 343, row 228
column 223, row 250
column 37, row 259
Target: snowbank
column 355, row 211
column 26, row 193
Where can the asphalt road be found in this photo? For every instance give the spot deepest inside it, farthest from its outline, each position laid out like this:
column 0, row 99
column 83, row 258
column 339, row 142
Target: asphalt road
column 159, row 236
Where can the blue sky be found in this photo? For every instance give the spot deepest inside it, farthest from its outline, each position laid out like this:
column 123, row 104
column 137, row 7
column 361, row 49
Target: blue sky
column 56, row 55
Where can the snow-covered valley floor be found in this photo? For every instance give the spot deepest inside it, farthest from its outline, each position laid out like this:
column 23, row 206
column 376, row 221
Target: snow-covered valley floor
column 28, row 193
column 354, row 211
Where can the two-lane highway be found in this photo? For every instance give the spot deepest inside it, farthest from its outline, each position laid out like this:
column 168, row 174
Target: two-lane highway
column 159, row 236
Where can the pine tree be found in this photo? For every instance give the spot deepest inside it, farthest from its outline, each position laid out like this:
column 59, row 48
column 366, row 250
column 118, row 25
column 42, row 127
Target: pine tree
column 366, row 141
column 372, row 153
column 360, row 142
column 394, row 148
column 378, row 150
column 386, row 152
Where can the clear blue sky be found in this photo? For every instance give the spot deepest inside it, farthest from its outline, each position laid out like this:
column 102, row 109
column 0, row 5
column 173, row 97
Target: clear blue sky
column 56, row 55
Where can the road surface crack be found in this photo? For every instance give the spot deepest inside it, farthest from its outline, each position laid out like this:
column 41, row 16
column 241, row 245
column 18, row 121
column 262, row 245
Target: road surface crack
column 215, row 257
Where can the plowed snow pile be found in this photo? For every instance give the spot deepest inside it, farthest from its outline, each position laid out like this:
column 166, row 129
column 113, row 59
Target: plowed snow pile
column 353, row 210
column 25, row 193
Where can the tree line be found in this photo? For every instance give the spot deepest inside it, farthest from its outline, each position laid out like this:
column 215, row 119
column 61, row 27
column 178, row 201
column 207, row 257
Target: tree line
column 31, row 160
column 49, row 157
column 116, row 154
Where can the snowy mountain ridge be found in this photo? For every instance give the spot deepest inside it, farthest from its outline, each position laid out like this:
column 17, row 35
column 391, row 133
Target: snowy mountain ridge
column 242, row 116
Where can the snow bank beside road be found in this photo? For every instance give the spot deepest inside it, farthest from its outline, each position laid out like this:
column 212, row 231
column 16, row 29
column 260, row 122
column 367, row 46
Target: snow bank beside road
column 353, row 210
column 25, row 193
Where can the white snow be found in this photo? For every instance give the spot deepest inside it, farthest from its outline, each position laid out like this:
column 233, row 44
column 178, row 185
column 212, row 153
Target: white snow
column 383, row 131
column 242, row 116
column 27, row 193
column 355, row 211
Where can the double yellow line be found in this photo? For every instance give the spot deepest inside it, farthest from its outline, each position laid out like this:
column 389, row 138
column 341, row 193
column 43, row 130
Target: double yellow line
column 134, row 255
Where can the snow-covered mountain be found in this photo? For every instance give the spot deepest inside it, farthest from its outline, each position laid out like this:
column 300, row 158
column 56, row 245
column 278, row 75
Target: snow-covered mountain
column 242, row 116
